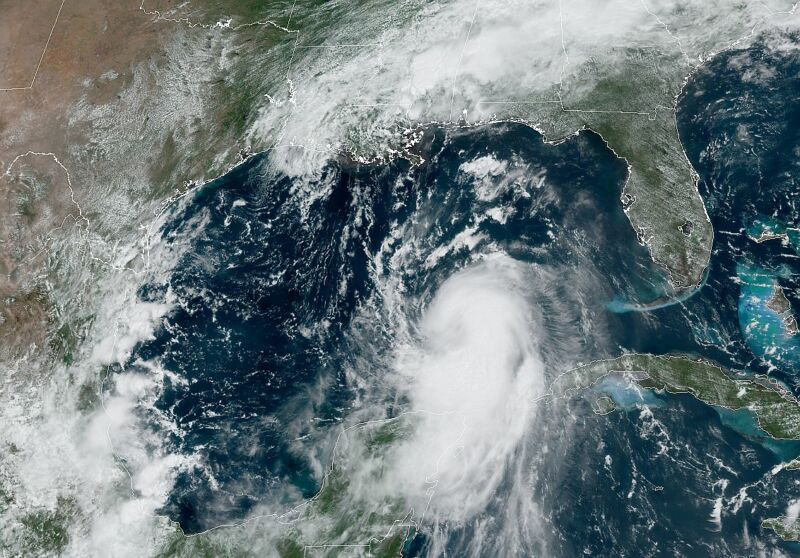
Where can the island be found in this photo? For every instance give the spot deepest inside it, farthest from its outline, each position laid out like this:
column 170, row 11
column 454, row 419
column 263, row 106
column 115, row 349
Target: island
column 775, row 410
column 779, row 304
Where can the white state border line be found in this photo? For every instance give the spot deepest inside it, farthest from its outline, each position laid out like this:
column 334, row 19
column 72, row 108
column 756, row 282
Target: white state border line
column 164, row 207
column 222, row 24
column 41, row 58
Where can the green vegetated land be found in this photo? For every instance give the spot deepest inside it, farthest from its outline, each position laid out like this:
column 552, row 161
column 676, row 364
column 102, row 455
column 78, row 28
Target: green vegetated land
column 346, row 513
column 774, row 409
column 627, row 95
column 785, row 527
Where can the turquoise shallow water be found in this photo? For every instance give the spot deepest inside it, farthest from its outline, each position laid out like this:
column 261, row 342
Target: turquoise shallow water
column 279, row 296
column 762, row 227
column 284, row 331
column 766, row 334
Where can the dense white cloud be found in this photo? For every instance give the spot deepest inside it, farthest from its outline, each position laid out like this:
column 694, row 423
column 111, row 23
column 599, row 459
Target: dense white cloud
column 472, row 379
column 443, row 62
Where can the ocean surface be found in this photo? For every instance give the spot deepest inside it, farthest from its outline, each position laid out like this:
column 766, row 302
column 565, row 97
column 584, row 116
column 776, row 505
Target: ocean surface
column 291, row 295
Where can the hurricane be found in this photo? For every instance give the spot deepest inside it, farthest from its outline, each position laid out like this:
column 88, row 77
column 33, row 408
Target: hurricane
column 458, row 300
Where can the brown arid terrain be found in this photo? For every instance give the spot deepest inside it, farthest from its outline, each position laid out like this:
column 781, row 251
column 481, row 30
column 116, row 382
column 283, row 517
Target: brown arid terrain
column 97, row 100
column 53, row 54
column 110, row 108
column 113, row 111
column 26, row 30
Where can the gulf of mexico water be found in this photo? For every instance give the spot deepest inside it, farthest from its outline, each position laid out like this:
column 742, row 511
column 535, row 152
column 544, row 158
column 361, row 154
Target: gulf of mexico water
column 294, row 293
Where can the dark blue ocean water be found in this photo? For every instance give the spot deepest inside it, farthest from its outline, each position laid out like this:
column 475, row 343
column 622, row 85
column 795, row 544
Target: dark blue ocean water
column 738, row 119
column 272, row 282
column 279, row 333
column 739, row 124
